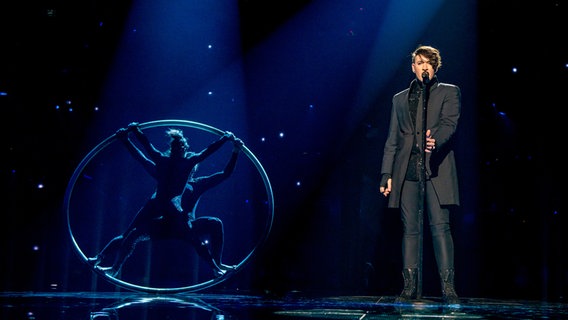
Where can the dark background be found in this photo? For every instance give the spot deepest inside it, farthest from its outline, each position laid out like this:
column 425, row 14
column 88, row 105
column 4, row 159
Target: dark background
column 332, row 234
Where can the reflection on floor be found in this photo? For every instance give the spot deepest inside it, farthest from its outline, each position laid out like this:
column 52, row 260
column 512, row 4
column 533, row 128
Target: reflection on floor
column 115, row 306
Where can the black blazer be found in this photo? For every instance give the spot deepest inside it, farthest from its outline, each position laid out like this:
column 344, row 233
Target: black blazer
column 443, row 112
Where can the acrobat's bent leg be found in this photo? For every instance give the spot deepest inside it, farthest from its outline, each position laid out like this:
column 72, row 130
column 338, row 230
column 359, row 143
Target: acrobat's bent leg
column 109, row 250
column 209, row 235
column 125, row 249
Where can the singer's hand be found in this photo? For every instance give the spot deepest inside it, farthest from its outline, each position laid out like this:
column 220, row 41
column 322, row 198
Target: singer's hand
column 430, row 142
column 386, row 190
column 385, row 185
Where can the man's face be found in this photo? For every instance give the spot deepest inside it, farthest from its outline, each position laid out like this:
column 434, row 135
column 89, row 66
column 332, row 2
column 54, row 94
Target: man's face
column 421, row 65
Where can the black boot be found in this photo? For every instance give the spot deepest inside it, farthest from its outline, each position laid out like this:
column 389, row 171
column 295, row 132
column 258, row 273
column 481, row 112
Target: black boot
column 448, row 292
column 410, row 277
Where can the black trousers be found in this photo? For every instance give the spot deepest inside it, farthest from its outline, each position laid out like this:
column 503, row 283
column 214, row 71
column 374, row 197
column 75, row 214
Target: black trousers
column 439, row 222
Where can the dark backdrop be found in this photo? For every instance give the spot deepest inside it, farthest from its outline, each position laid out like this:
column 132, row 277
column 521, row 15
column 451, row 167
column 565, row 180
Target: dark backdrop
column 331, row 234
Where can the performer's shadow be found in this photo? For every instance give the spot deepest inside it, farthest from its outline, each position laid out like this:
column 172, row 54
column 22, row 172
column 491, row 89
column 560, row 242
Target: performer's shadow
column 158, row 307
column 429, row 308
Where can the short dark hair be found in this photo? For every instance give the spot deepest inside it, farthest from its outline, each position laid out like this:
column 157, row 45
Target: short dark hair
column 431, row 53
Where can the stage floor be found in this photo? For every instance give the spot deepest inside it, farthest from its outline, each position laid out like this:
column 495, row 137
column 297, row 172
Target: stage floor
column 196, row 306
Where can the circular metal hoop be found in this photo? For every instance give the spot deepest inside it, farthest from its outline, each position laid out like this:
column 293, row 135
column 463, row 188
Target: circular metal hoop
column 162, row 123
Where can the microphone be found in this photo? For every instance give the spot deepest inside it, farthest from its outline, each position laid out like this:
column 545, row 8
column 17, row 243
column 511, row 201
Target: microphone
column 425, row 77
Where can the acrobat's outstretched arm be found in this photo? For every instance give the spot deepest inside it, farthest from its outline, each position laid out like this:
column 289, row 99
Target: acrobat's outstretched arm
column 214, row 179
column 200, row 156
column 149, row 165
column 152, row 152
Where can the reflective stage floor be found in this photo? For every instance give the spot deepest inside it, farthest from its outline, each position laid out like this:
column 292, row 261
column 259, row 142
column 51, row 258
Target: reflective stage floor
column 115, row 306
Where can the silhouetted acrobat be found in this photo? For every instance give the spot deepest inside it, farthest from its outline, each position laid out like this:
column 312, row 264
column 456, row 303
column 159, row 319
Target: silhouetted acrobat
column 170, row 212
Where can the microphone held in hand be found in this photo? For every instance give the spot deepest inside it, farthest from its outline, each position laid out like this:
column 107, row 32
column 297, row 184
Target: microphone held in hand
column 425, row 77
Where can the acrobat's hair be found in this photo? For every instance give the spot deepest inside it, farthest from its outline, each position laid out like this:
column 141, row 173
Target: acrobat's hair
column 177, row 140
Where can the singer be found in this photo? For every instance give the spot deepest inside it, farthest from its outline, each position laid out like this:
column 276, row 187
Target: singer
column 418, row 171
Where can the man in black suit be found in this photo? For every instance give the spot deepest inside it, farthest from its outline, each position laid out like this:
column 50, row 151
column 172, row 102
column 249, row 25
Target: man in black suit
column 418, row 171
